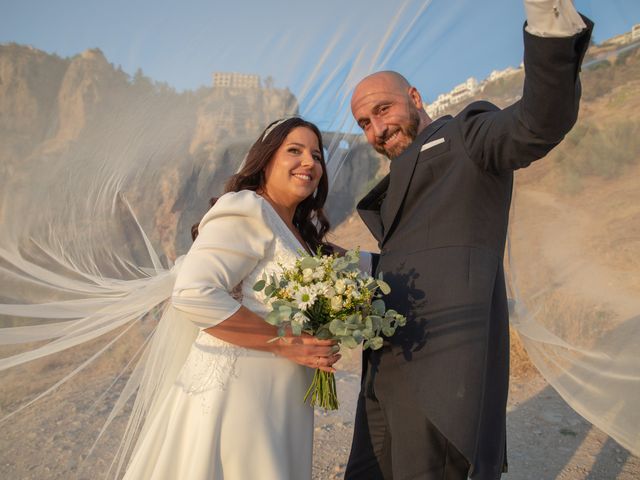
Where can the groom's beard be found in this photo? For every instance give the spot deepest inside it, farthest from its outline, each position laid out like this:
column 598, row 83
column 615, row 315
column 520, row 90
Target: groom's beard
column 406, row 135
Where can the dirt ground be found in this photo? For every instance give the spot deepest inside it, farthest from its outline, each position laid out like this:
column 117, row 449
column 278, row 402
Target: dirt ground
column 546, row 438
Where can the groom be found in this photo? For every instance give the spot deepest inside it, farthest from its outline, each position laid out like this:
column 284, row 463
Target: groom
column 433, row 399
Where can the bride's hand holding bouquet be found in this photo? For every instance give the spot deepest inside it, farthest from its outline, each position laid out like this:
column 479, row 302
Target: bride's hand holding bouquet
column 328, row 298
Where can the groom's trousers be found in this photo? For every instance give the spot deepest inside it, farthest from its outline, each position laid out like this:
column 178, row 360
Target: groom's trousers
column 392, row 442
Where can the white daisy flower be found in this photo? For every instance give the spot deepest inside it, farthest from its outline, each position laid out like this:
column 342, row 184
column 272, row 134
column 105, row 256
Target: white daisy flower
column 305, row 297
column 300, row 318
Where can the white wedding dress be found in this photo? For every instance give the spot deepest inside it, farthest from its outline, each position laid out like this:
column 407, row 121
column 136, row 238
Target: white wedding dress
column 233, row 413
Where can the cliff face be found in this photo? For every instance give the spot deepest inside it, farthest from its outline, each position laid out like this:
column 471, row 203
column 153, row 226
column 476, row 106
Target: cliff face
column 29, row 85
column 89, row 83
column 226, row 112
column 83, row 123
column 44, row 98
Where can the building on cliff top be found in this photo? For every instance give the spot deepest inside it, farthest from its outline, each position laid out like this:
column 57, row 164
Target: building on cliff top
column 235, row 80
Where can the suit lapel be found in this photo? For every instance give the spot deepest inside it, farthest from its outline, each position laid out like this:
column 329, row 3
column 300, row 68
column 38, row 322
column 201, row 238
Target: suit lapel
column 402, row 169
column 369, row 208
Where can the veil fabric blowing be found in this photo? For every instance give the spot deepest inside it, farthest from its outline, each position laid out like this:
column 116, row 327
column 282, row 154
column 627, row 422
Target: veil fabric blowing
column 103, row 173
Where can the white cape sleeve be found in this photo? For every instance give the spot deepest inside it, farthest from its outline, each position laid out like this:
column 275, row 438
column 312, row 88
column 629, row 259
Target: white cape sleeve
column 233, row 237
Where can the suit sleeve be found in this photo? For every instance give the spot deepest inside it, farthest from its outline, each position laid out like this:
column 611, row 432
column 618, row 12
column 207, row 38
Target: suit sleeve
column 233, row 237
column 499, row 140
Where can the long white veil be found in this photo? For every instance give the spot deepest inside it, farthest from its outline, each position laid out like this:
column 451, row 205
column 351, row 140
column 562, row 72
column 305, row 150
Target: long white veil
column 103, row 172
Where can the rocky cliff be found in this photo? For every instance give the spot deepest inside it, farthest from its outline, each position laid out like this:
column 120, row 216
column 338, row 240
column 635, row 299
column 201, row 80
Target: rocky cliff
column 82, row 120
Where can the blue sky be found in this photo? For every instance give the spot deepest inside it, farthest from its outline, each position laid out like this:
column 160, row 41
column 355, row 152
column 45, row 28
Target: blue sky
column 314, row 50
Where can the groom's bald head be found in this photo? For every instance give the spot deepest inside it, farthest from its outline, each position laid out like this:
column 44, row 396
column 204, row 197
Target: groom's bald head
column 389, row 111
column 387, row 80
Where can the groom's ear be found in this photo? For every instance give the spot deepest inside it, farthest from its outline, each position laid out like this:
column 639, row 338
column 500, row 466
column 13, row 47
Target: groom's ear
column 415, row 97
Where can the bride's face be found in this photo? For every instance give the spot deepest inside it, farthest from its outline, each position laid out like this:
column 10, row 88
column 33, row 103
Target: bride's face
column 295, row 169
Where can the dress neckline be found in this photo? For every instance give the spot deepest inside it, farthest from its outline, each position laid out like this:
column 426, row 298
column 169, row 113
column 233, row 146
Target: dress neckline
column 292, row 235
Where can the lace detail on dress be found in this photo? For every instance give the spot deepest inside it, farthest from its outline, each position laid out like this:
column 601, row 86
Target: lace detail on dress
column 209, row 366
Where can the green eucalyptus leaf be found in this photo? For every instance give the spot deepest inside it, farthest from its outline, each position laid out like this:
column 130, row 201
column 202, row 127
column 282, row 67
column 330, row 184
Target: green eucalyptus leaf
column 375, row 343
column 350, row 342
column 285, row 313
column 377, row 306
column 357, row 336
column 384, row 287
column 273, row 318
column 259, row 285
column 335, row 325
column 308, row 262
column 324, row 334
column 342, row 332
column 340, row 264
column 388, row 331
column 296, row 329
column 368, row 333
column 278, row 303
column 376, row 322
column 353, row 319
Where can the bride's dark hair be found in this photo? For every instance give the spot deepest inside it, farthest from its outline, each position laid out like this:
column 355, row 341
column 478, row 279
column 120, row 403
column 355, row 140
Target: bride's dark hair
column 309, row 217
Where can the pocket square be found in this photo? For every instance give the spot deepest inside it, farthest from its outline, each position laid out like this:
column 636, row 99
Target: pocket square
column 432, row 143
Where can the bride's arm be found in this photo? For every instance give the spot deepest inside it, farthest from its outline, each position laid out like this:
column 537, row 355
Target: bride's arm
column 247, row 329
column 233, row 237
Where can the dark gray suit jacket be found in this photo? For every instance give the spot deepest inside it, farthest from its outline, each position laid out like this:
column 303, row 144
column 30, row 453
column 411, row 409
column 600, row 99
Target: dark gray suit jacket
column 440, row 218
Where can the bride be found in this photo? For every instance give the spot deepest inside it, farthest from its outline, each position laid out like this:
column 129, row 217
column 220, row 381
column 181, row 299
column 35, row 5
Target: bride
column 235, row 410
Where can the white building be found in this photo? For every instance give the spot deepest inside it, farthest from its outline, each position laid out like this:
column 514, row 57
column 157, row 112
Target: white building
column 235, row 80
column 459, row 93
column 497, row 74
column 635, row 32
column 621, row 39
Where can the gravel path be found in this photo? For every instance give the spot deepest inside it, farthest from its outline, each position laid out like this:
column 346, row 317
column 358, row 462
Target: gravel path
column 546, row 438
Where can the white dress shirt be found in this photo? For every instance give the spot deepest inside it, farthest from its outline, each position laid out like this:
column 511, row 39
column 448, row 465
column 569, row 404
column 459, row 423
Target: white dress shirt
column 552, row 18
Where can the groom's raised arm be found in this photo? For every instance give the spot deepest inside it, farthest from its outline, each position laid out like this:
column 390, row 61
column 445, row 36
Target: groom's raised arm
column 556, row 38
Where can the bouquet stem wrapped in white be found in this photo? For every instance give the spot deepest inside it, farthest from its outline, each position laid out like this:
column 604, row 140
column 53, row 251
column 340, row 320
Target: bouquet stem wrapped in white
column 327, row 296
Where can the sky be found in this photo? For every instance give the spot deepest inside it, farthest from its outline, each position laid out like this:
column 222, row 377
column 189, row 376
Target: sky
column 317, row 49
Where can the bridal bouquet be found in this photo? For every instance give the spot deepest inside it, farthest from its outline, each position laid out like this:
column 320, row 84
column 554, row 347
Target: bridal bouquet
column 327, row 296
